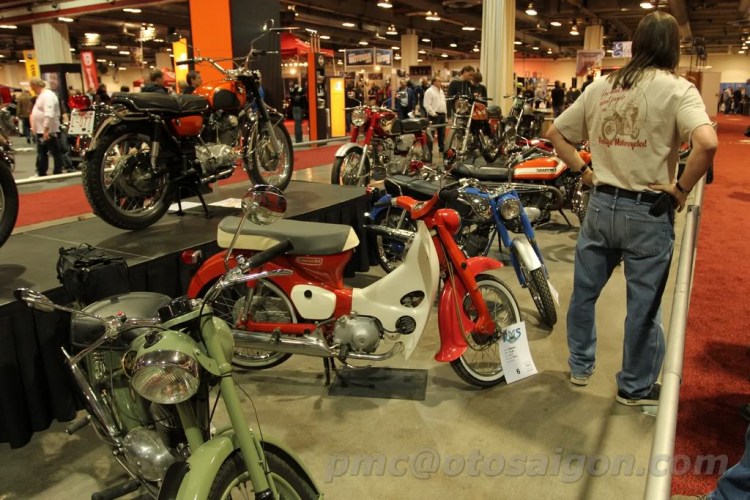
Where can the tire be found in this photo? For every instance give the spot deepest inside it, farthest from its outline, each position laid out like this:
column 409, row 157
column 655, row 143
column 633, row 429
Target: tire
column 8, row 202
column 228, row 306
column 489, row 156
column 540, row 292
column 97, row 194
column 427, row 152
column 288, row 480
column 282, row 175
column 455, row 141
column 385, row 250
column 462, row 365
column 342, row 165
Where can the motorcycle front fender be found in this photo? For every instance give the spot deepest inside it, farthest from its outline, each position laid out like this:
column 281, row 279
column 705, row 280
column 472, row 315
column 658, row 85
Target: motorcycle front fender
column 211, row 269
column 452, row 342
column 378, row 210
column 526, row 253
column 343, row 150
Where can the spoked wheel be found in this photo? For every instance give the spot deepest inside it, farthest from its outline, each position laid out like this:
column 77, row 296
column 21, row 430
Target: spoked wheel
column 120, row 184
column 232, row 481
column 538, row 286
column 480, row 364
column 268, row 166
column 8, row 202
column 345, row 169
column 267, row 304
column 455, row 141
column 390, row 252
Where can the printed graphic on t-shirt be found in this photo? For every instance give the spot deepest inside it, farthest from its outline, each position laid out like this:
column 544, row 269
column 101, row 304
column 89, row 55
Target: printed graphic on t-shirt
column 624, row 113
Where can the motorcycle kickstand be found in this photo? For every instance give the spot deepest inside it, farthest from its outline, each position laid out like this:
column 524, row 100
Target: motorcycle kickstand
column 180, row 212
column 565, row 217
column 327, row 364
column 205, row 207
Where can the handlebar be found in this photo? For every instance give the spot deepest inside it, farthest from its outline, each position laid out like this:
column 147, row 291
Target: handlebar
column 261, row 258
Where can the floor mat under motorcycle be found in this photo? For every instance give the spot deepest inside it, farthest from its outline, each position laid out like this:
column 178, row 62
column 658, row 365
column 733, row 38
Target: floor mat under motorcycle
column 383, row 383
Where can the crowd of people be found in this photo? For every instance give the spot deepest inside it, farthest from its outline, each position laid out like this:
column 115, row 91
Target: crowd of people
column 736, row 101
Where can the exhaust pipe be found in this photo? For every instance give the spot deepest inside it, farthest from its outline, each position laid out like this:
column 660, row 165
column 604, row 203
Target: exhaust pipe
column 390, row 232
column 304, row 345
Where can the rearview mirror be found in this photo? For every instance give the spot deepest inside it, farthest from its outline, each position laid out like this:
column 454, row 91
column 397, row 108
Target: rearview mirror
column 36, row 300
column 263, row 205
column 268, row 25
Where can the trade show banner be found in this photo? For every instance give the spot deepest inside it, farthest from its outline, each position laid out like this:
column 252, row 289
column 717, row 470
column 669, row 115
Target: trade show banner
column 360, row 57
column 338, row 103
column 180, row 52
column 88, row 67
column 587, row 60
column 622, row 49
column 32, row 65
column 384, row 57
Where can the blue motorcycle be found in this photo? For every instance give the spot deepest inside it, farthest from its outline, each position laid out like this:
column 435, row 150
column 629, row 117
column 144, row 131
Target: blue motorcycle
column 486, row 213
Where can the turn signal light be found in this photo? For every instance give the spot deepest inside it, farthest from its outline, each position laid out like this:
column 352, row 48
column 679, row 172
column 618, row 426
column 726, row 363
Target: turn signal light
column 191, row 257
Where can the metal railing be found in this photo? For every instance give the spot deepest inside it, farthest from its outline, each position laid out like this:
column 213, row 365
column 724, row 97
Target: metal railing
column 659, row 479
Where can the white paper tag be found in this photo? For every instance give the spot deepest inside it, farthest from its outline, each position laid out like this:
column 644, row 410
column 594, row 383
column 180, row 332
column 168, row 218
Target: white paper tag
column 555, row 295
column 186, row 205
column 228, row 203
column 515, row 355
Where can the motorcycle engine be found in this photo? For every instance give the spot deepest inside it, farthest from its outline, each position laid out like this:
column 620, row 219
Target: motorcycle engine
column 226, row 129
column 361, row 334
column 215, row 157
column 147, row 454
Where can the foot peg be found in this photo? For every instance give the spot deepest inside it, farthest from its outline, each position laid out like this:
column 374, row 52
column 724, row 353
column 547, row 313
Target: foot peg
column 117, row 491
column 77, row 426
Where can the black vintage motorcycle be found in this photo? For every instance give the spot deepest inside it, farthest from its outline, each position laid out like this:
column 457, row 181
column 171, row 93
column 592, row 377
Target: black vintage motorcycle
column 151, row 149
column 8, row 190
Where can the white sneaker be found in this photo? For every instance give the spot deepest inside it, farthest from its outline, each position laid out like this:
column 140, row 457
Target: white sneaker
column 35, row 176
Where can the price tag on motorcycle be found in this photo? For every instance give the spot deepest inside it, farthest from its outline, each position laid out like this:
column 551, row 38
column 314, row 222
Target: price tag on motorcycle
column 515, row 355
column 81, row 122
column 555, row 294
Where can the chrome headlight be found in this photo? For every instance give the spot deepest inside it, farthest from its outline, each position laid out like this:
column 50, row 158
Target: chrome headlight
column 165, row 377
column 359, row 117
column 510, row 209
column 462, row 107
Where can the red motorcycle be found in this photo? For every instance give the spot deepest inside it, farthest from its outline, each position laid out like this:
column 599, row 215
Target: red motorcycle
column 303, row 306
column 391, row 147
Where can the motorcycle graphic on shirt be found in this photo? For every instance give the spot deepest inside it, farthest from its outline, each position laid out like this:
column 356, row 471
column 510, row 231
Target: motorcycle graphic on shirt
column 625, row 112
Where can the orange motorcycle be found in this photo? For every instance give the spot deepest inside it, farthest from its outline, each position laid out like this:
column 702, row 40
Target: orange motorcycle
column 477, row 126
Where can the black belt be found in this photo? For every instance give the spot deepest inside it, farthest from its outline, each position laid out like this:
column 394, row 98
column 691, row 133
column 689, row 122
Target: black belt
column 646, row 197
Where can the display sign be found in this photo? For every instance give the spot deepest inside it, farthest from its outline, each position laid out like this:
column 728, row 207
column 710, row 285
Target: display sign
column 88, row 67
column 338, row 103
column 588, row 60
column 420, row 70
column 180, row 52
column 515, row 355
column 32, row 65
column 360, row 57
column 622, row 49
column 384, row 57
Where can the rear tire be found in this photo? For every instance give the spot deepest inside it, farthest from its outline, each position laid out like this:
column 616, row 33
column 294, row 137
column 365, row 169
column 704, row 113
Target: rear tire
column 282, row 175
column 8, row 202
column 232, row 479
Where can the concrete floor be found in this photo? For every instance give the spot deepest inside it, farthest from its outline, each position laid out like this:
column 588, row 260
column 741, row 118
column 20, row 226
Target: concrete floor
column 535, row 423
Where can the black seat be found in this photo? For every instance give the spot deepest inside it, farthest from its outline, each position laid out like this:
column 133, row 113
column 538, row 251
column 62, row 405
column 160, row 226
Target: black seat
column 151, row 102
column 411, row 125
column 487, row 174
column 494, row 111
column 84, row 331
column 409, row 186
column 308, row 238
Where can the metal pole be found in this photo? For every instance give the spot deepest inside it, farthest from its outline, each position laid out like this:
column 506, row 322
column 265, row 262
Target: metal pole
column 659, row 479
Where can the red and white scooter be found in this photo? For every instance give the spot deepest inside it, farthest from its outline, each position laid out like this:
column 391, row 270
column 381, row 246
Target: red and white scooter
column 303, row 306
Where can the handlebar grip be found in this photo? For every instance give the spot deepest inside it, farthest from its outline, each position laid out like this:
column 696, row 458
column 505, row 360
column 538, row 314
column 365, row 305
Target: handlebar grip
column 259, row 52
column 265, row 256
column 448, row 194
column 383, row 204
column 185, row 62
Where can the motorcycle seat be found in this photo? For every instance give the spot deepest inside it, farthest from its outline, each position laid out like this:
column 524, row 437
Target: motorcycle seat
column 148, row 102
column 308, row 238
column 494, row 111
column 85, row 331
column 485, row 173
column 418, row 189
column 410, row 125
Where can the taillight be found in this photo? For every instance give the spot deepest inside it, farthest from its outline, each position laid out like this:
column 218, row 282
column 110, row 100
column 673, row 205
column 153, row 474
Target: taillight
column 369, row 190
column 192, row 257
column 79, row 102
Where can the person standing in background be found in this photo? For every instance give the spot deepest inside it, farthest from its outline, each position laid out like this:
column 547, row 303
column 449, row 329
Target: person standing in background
column 529, row 92
column 101, row 94
column 299, row 103
column 558, row 99
column 156, row 83
column 419, row 91
column 434, row 105
column 539, row 95
column 477, row 88
column 461, row 85
column 405, row 101
column 45, row 121
column 194, row 80
column 124, row 88
column 589, row 81
column 737, row 109
column 23, row 112
column 572, row 95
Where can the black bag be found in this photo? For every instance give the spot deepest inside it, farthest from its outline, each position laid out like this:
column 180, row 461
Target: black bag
column 90, row 274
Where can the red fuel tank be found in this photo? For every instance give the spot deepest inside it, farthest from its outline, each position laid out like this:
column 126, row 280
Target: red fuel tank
column 539, row 169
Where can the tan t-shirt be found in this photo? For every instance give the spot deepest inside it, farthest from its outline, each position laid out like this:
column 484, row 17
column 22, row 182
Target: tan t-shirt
column 635, row 134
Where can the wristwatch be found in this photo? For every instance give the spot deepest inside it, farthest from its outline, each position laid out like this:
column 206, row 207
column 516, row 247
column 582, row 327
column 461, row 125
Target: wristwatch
column 585, row 167
column 681, row 189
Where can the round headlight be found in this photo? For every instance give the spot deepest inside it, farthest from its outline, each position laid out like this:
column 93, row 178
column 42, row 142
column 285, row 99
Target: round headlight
column 462, row 106
column 166, row 377
column 510, row 209
column 359, row 117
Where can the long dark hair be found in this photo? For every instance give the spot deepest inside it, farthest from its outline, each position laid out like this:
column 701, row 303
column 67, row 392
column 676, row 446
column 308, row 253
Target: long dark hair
column 656, row 44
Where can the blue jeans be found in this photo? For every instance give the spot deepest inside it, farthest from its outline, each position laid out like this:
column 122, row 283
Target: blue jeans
column 297, row 115
column 735, row 483
column 617, row 228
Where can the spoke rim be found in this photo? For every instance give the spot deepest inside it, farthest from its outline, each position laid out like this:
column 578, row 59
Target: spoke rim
column 275, row 176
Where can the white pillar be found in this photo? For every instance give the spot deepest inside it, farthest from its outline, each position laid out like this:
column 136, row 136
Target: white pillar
column 593, row 38
column 496, row 59
column 52, row 43
column 409, row 51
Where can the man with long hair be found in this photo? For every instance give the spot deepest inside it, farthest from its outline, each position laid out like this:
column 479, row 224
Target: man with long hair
column 635, row 120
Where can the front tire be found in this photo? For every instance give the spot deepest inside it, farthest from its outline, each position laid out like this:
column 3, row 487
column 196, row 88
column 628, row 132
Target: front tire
column 487, row 371
column 540, row 292
column 344, row 171
column 262, row 168
column 8, row 202
column 233, row 481
column 455, row 141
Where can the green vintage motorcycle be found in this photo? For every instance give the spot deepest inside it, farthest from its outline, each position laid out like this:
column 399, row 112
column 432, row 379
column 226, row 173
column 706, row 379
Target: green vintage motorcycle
column 146, row 381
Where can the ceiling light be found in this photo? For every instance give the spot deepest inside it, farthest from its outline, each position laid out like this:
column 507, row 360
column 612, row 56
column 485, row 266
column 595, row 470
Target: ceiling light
column 610, row 51
column 171, row 55
column 574, row 30
column 169, row 50
column 430, row 16
column 741, row 52
column 125, row 52
column 339, row 62
column 325, row 37
column 72, row 49
column 476, row 48
column 1, row 56
column 397, row 57
column 158, row 40
column 348, row 25
column 395, row 48
column 363, row 42
column 535, row 48
column 549, row 51
column 391, row 30
column 418, row 60
column 518, row 42
column 385, row 4
column 111, row 47
column 146, row 34
column 8, row 26
column 555, row 24
column 443, row 55
column 101, row 60
column 454, row 45
column 65, row 19
column 132, row 11
column 22, row 60
column 426, row 40
column 342, row 50
column 530, row 9
column 421, row 51
column 469, row 28
column 122, row 68
column 647, row 5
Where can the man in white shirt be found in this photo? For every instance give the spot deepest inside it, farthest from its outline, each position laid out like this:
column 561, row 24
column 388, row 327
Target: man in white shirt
column 45, row 122
column 434, row 105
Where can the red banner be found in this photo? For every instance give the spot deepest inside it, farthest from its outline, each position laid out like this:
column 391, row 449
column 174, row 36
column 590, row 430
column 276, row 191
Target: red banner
column 88, row 65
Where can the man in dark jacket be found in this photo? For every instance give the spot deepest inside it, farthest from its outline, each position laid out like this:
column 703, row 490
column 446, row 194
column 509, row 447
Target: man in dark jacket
column 589, row 81
column 156, row 83
column 477, row 88
column 194, row 81
column 462, row 86
column 405, row 101
column 558, row 99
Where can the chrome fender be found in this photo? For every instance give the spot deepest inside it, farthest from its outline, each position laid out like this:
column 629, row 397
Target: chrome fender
column 101, row 129
column 526, row 253
column 343, row 150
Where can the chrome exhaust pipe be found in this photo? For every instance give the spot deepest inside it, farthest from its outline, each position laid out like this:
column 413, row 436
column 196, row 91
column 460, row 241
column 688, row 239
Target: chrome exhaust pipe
column 396, row 349
column 390, row 232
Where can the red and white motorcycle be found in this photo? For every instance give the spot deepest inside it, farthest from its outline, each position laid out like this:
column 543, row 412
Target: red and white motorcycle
column 303, row 307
